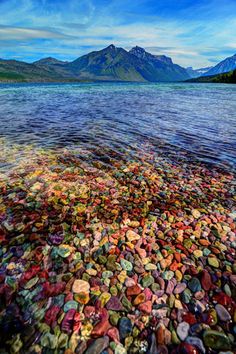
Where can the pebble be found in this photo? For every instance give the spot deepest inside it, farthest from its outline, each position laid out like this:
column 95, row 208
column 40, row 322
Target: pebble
column 98, row 346
column 80, row 286
column 206, row 280
column 126, row 265
column 114, row 304
column 125, row 327
column 194, row 285
column 216, row 340
column 132, row 236
column 196, row 342
column 213, row 262
column 147, row 281
column 182, row 330
column 119, row 259
column 222, row 313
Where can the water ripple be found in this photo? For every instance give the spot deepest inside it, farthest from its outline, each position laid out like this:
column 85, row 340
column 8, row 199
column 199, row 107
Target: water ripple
column 199, row 119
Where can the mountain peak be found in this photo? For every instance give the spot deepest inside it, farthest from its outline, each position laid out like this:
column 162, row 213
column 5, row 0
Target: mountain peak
column 111, row 47
column 48, row 61
column 137, row 49
column 224, row 66
column 138, row 52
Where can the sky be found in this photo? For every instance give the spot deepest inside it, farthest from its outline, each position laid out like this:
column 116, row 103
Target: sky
column 195, row 33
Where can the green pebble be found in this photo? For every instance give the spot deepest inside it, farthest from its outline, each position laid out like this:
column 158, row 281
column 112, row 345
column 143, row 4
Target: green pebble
column 114, row 318
column 38, row 313
column 126, row 265
column 127, row 304
column 188, row 243
column 59, row 300
column 136, row 331
column 159, row 256
column 69, row 305
column 102, row 259
column 171, row 301
column 62, row 340
column 216, row 340
column 213, row 262
column 49, row 340
column 111, row 263
column 107, row 274
column 168, row 275
column 32, row 282
column 206, row 252
column 63, row 252
column 175, row 338
column 150, row 266
column 17, row 344
column 186, row 296
column 113, row 290
column 86, row 277
column 155, row 287
column 147, row 281
column 113, row 345
column 227, row 290
column 119, row 286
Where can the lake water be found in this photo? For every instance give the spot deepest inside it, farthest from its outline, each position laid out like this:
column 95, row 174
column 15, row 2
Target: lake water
column 196, row 120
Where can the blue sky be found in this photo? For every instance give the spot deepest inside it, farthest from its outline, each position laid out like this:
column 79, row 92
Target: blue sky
column 193, row 32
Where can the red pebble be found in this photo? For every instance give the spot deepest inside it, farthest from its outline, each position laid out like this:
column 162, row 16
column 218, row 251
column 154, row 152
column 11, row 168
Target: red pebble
column 102, row 327
column 146, row 307
column 113, row 333
column 133, row 290
column 222, row 299
column 189, row 318
column 206, row 280
column 51, row 315
column 77, row 322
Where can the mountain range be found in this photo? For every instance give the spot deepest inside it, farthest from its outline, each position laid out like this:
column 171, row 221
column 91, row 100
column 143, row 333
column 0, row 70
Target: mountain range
column 109, row 64
column 224, row 66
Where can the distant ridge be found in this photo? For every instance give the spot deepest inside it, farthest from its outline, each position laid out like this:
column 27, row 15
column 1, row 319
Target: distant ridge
column 109, row 64
column 49, row 61
column 226, row 78
column 197, row 72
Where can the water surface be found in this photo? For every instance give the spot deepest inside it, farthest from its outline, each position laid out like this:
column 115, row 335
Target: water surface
column 177, row 118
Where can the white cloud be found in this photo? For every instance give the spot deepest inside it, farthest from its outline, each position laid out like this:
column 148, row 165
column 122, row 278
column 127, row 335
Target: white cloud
column 70, row 26
column 19, row 33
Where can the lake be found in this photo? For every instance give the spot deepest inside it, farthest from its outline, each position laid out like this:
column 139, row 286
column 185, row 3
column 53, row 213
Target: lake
column 176, row 119
column 117, row 228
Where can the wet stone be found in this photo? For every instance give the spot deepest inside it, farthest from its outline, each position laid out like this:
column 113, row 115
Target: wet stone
column 69, row 305
column 114, row 304
column 182, row 330
column 98, row 346
column 147, row 281
column 125, row 327
column 194, row 285
column 80, row 286
column 134, row 255
column 216, row 340
column 222, row 313
column 126, row 265
column 213, row 262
